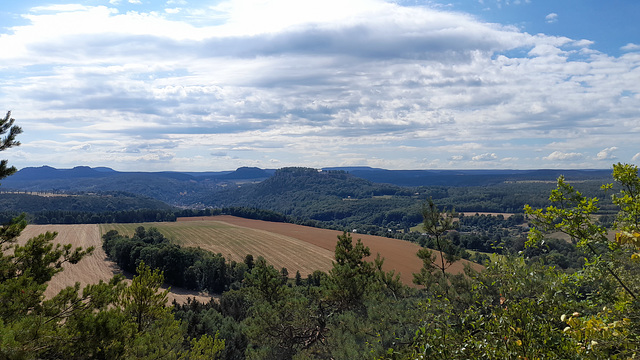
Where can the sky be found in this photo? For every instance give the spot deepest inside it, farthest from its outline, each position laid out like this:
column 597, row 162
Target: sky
column 181, row 85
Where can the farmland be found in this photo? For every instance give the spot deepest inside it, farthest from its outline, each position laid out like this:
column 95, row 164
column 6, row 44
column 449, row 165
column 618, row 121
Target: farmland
column 235, row 242
column 296, row 247
column 91, row 269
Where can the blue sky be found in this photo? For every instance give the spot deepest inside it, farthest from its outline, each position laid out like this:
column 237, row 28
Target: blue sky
column 214, row 85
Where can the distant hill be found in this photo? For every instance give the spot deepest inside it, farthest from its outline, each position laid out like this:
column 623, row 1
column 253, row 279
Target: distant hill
column 49, row 173
column 92, row 203
column 342, row 196
column 470, row 177
column 168, row 186
column 317, row 195
column 171, row 186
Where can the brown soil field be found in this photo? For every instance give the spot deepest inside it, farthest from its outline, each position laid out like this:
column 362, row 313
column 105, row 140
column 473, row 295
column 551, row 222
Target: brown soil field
column 296, row 247
column 91, row 269
column 399, row 255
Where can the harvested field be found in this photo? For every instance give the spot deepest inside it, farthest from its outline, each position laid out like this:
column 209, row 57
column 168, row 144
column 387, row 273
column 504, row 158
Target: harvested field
column 235, row 242
column 399, row 255
column 91, row 269
column 296, row 247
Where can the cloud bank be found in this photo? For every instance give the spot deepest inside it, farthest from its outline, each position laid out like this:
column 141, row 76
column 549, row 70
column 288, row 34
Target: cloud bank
column 305, row 83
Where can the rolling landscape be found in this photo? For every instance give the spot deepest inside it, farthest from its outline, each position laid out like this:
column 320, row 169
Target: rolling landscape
column 319, row 180
column 248, row 245
column 294, row 247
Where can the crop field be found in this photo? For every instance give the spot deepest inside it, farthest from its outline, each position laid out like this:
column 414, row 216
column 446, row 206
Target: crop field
column 298, row 248
column 91, row 269
column 399, row 255
column 235, row 242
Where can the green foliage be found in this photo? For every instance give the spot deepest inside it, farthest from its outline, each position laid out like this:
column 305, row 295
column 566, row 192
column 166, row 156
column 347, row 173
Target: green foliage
column 609, row 332
column 351, row 274
column 141, row 300
column 282, row 320
column 103, row 321
column 191, row 268
column 508, row 311
column 8, row 141
column 221, row 319
column 628, row 198
column 573, row 215
column 434, row 271
column 354, row 311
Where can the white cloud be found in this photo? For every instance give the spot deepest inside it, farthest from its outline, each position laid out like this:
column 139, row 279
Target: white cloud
column 364, row 82
column 563, row 156
column 583, row 43
column 630, row 47
column 606, row 154
column 485, row 157
column 636, row 157
column 551, row 18
column 82, row 147
column 156, row 156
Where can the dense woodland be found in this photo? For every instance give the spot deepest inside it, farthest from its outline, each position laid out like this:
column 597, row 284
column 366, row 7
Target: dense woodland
column 522, row 305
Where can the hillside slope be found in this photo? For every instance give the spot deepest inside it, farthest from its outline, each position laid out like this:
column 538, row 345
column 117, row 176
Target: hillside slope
column 91, row 269
column 399, row 255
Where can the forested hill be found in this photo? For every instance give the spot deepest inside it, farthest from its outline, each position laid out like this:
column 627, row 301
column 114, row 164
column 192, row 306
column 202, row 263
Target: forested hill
column 470, row 177
column 341, row 197
column 96, row 203
column 310, row 183
column 318, row 195
column 167, row 186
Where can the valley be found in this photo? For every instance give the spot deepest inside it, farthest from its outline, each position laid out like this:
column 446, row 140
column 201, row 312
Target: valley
column 295, row 247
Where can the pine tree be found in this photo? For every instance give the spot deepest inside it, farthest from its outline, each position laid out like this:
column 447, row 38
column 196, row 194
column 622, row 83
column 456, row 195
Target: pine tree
column 7, row 127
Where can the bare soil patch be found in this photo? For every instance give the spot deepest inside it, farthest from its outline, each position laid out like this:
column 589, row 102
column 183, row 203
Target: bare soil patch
column 91, row 269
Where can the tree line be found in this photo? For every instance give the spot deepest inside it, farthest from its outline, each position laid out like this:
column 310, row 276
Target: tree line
column 190, row 268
